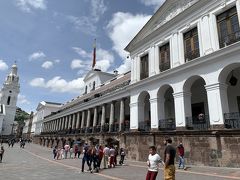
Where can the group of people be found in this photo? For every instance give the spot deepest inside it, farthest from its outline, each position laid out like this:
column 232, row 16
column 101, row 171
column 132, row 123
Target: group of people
column 66, row 152
column 154, row 161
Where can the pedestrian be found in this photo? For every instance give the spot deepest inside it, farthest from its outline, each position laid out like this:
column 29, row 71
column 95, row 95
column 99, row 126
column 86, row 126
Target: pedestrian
column 86, row 157
column 100, row 156
column 169, row 158
column 112, row 156
column 54, row 152
column 75, row 151
column 106, row 156
column 71, row 153
column 180, row 150
column 153, row 163
column 122, row 156
column 1, row 153
column 66, row 150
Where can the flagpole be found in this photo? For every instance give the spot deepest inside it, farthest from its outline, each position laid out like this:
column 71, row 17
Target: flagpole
column 94, row 55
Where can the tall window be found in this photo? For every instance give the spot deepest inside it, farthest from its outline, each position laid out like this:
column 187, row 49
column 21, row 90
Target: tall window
column 228, row 27
column 164, row 58
column 144, row 67
column 85, row 90
column 8, row 100
column 191, row 44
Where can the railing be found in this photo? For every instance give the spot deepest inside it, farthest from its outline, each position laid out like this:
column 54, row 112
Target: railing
column 189, row 55
column 164, row 66
column 232, row 120
column 198, row 122
column 167, row 124
column 144, row 126
column 229, row 39
column 105, row 127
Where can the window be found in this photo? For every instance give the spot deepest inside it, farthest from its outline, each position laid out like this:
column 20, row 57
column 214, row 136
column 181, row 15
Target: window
column 164, row 57
column 8, row 101
column 85, row 90
column 191, row 44
column 93, row 88
column 228, row 27
column 144, row 67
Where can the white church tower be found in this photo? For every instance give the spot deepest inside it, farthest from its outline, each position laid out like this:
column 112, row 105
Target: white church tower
column 8, row 100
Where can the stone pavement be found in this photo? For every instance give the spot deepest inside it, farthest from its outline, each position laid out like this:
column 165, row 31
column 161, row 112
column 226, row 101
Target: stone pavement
column 36, row 163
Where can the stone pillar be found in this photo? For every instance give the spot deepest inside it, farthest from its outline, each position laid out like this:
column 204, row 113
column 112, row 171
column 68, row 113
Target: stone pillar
column 238, row 9
column 151, row 61
column 174, row 52
column 134, row 116
column 154, row 114
column 137, row 69
column 78, row 120
column 95, row 119
column 182, row 105
column 217, row 103
column 103, row 118
column 66, row 122
column 111, row 121
column 88, row 119
column 63, row 123
column 69, row 121
column 122, row 115
column 83, row 119
column 156, row 59
column 74, row 121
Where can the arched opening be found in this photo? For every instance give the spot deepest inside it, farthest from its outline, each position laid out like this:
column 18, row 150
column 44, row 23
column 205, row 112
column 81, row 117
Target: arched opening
column 166, row 110
column 196, row 104
column 144, row 113
column 230, row 76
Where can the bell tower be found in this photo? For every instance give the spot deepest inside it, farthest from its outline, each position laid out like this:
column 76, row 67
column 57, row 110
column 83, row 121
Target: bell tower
column 8, row 98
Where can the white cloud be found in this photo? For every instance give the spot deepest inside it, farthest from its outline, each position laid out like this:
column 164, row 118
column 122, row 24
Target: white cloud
column 104, row 60
column 86, row 24
column 98, row 8
column 57, row 84
column 57, row 61
column 29, row 5
column 121, row 29
column 36, row 55
column 3, row 65
column 81, row 52
column 154, row 3
column 47, row 64
column 22, row 99
column 77, row 63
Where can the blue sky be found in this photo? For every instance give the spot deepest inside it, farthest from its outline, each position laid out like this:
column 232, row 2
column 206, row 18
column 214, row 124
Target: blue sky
column 52, row 42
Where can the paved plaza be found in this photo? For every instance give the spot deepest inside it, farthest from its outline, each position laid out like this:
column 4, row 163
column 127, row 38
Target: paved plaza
column 36, row 163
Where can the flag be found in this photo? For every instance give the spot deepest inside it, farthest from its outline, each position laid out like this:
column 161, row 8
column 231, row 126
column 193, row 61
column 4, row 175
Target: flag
column 94, row 54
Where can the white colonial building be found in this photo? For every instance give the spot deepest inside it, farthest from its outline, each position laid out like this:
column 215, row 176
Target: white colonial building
column 184, row 84
column 185, row 66
column 8, row 101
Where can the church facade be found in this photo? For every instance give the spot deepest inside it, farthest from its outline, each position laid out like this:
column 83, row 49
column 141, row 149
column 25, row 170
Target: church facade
column 8, row 100
column 183, row 84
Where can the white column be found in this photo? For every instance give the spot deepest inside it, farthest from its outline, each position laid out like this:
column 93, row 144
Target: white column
column 151, row 61
column 180, row 49
column 213, row 31
column 154, row 113
column 111, row 120
column 78, row 120
column 74, row 121
column 205, row 35
column 182, row 104
column 156, row 59
column 174, row 50
column 238, row 10
column 83, row 118
column 122, row 114
column 95, row 117
column 69, row 121
column 217, row 102
column 134, row 116
column 88, row 118
column 137, row 69
column 103, row 118
column 66, row 122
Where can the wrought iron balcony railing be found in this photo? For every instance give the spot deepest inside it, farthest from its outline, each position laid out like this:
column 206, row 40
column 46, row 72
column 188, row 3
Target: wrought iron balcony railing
column 144, row 126
column 200, row 122
column 232, row 120
column 229, row 39
column 167, row 124
column 190, row 55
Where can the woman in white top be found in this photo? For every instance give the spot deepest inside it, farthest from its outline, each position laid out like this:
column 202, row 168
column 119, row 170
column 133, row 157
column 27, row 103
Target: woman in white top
column 153, row 163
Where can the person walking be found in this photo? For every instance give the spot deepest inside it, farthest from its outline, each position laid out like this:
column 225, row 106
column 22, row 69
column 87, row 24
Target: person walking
column 54, row 152
column 169, row 158
column 180, row 151
column 106, row 156
column 122, row 156
column 1, row 153
column 153, row 163
column 86, row 157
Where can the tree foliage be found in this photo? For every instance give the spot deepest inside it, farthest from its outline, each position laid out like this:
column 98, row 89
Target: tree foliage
column 21, row 115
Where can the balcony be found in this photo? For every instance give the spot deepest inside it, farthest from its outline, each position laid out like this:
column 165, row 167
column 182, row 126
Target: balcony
column 191, row 54
column 144, row 126
column 229, row 39
column 164, row 66
column 232, row 120
column 198, row 122
column 167, row 124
